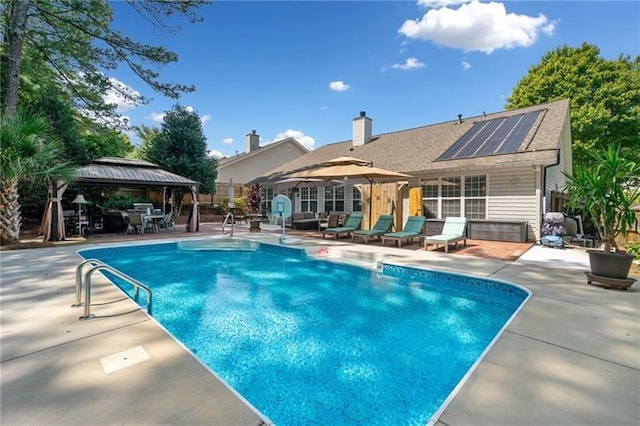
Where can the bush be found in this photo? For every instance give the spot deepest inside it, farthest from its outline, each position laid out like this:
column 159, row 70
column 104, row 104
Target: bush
column 117, row 202
column 633, row 248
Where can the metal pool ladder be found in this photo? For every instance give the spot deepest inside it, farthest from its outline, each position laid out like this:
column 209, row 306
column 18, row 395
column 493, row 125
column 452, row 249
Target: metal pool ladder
column 97, row 265
column 226, row 219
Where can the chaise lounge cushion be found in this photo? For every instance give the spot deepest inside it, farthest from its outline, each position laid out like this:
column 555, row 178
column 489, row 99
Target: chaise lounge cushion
column 453, row 231
column 382, row 226
column 411, row 230
column 353, row 223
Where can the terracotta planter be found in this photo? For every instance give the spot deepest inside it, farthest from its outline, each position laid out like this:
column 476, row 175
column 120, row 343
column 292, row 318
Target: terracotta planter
column 612, row 265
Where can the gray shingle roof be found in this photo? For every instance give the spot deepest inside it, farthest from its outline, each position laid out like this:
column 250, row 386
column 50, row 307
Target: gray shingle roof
column 414, row 151
column 122, row 171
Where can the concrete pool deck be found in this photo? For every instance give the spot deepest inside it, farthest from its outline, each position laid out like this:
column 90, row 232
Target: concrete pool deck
column 570, row 357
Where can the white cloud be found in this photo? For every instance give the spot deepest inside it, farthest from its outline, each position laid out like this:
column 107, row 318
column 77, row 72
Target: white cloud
column 339, row 86
column 121, row 95
column 158, row 117
column 436, row 4
column 215, row 154
column 324, row 107
column 466, row 65
column 477, row 26
column 227, row 141
column 306, row 141
column 410, row 64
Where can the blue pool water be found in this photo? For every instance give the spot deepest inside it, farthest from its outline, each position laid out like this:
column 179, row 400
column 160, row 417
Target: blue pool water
column 312, row 342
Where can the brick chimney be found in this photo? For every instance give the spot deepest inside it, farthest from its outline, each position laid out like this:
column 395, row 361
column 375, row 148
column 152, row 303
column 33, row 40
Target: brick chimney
column 361, row 129
column 253, row 141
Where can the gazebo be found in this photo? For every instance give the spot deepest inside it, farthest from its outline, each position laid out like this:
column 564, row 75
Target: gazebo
column 115, row 171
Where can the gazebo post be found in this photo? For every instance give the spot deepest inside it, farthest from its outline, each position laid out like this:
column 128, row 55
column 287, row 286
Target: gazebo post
column 52, row 227
column 193, row 223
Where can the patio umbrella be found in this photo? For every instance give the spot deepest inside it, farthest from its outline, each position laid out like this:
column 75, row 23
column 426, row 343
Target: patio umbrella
column 232, row 196
column 350, row 168
column 292, row 183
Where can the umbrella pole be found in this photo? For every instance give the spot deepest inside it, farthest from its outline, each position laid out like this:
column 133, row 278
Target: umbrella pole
column 370, row 201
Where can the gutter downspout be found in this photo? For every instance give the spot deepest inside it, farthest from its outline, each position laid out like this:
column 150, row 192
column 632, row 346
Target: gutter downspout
column 541, row 197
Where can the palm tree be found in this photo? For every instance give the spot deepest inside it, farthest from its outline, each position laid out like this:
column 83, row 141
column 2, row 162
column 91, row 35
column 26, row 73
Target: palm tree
column 27, row 151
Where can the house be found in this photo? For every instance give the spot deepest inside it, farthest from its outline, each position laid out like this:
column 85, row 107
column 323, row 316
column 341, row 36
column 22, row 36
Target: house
column 258, row 160
column 500, row 170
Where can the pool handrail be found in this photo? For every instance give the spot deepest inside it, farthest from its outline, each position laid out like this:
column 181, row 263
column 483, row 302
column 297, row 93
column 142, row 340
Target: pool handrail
column 226, row 219
column 87, row 281
column 78, row 302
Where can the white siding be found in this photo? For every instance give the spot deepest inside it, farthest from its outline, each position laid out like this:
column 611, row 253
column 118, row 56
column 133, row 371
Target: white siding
column 512, row 196
column 260, row 163
column 554, row 178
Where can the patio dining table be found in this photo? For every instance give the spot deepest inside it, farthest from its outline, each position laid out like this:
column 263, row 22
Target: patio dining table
column 152, row 220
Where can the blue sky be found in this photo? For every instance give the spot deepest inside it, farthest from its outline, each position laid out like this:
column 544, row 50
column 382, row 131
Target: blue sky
column 306, row 69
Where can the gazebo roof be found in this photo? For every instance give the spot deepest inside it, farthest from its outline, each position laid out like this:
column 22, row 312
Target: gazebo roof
column 122, row 171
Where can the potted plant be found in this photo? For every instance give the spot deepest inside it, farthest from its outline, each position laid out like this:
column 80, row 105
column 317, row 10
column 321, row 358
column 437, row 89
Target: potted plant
column 606, row 191
column 254, row 202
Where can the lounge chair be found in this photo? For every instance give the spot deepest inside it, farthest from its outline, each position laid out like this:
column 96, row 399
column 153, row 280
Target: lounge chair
column 452, row 232
column 382, row 226
column 331, row 221
column 411, row 230
column 352, row 224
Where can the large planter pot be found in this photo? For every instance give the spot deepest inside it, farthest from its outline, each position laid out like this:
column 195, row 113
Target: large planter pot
column 254, row 226
column 611, row 265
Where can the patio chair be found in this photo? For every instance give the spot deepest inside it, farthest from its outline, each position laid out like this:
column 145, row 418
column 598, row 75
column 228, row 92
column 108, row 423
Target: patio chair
column 453, row 231
column 167, row 222
column 135, row 223
column 411, row 230
column 382, row 226
column 352, row 224
column 238, row 215
column 330, row 222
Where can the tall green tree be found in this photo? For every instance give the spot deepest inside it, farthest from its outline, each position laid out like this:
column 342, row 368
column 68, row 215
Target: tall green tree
column 604, row 97
column 181, row 148
column 77, row 42
column 146, row 134
column 27, row 152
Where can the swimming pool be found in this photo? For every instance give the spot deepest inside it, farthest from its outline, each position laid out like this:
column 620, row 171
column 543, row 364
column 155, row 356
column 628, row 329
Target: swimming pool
column 308, row 341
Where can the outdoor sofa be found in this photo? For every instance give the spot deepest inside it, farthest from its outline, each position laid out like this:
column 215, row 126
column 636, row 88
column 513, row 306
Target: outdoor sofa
column 306, row 220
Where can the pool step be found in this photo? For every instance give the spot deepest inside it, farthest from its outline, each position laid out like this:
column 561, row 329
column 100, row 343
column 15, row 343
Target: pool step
column 218, row 244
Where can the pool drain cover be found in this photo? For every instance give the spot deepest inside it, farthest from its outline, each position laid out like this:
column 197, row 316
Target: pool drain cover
column 124, row 359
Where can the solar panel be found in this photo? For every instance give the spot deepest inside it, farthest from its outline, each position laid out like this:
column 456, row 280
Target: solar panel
column 494, row 141
column 450, row 152
column 502, row 135
column 479, row 139
column 516, row 137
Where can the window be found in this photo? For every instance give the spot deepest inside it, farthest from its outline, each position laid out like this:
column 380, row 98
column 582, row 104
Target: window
column 357, row 200
column 308, row 199
column 451, row 196
column 475, row 197
column 447, row 198
column 334, row 198
column 267, row 196
column 430, row 200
